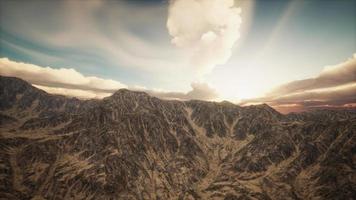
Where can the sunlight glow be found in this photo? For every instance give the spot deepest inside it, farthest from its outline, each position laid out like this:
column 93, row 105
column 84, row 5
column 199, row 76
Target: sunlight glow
column 240, row 83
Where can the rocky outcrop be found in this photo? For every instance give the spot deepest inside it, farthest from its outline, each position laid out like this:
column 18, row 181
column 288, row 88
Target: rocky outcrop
column 134, row 146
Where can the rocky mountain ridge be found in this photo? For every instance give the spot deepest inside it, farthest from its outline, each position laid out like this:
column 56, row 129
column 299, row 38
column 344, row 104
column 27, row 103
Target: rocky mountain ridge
column 134, row 146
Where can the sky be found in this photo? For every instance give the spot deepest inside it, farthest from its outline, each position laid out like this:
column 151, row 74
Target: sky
column 243, row 51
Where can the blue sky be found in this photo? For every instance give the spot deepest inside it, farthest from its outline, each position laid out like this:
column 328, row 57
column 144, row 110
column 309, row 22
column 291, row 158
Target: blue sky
column 128, row 41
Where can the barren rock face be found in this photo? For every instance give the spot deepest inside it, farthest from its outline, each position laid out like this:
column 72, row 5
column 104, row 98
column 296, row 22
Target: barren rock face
column 134, row 146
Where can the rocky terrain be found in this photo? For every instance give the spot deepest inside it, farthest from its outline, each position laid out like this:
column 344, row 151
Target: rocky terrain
column 134, row 146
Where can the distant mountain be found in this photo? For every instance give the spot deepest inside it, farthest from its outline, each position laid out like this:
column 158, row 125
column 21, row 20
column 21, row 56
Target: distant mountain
column 134, row 146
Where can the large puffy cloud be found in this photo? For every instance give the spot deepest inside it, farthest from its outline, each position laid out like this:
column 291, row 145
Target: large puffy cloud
column 334, row 87
column 69, row 82
column 206, row 28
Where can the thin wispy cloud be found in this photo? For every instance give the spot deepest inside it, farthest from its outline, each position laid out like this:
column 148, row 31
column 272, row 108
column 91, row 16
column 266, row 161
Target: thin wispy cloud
column 93, row 30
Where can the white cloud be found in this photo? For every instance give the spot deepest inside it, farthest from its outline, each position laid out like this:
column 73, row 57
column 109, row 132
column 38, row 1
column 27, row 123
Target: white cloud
column 69, row 82
column 207, row 29
column 199, row 91
column 82, row 94
column 61, row 78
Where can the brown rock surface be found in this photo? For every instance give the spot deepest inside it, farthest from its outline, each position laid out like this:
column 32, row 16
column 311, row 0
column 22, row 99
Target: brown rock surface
column 134, row 146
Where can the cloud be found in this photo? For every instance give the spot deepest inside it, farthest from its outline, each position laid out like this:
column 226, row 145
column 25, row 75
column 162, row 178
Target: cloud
column 200, row 91
column 207, row 29
column 335, row 86
column 82, row 94
column 92, row 30
column 98, row 36
column 330, row 76
column 331, row 94
column 69, row 82
column 67, row 78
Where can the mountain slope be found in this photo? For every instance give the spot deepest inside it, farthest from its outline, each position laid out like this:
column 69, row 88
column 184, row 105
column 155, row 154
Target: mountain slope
column 134, row 146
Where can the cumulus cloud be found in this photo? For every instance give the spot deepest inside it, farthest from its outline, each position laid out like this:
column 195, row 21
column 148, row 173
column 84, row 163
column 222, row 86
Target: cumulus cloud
column 335, row 86
column 208, row 29
column 82, row 94
column 99, row 35
column 69, row 82
column 67, row 78
column 199, row 91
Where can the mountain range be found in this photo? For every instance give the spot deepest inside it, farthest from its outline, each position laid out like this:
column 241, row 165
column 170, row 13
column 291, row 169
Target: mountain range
column 135, row 146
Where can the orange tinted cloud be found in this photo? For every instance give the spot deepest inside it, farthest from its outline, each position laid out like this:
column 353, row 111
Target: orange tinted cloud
column 334, row 87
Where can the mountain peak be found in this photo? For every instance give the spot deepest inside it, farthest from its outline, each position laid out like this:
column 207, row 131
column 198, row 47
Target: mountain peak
column 127, row 94
column 125, row 91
